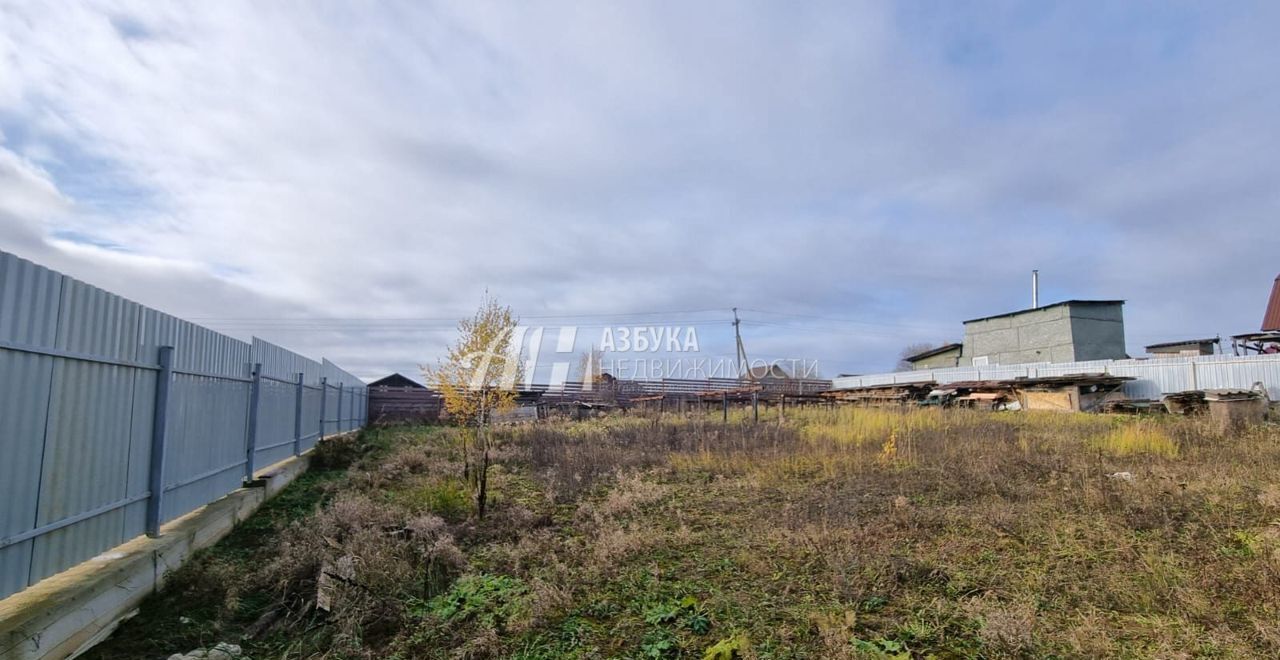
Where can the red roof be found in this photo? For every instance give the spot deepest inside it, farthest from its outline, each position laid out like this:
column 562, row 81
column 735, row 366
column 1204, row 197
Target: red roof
column 1272, row 320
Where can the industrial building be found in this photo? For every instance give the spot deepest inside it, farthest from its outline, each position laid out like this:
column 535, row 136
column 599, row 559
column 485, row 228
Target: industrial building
column 1068, row 331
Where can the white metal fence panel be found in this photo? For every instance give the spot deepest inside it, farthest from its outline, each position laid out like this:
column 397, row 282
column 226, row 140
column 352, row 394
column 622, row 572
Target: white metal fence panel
column 1154, row 378
column 1001, row 372
column 1241, row 372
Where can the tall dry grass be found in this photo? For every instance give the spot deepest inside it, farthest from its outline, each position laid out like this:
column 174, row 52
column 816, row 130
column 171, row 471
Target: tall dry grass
column 1138, row 438
column 856, row 426
column 835, row 533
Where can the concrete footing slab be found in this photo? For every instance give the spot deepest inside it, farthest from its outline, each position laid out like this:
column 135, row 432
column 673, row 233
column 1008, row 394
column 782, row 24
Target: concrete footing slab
column 64, row 615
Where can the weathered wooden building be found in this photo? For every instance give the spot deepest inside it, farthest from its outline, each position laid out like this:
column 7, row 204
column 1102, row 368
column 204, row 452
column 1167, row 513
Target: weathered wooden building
column 398, row 398
column 1185, row 347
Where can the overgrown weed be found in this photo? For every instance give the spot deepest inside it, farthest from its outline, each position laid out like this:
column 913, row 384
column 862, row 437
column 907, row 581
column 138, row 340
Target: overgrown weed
column 837, row 533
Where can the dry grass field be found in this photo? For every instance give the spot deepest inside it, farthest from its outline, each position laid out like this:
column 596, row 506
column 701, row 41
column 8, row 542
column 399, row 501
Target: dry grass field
column 839, row 533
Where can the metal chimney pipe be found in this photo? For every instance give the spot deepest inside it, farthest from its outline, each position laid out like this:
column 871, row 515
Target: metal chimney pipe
column 1035, row 289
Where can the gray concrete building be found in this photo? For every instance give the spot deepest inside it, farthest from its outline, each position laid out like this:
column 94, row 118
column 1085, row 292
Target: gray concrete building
column 1068, row 331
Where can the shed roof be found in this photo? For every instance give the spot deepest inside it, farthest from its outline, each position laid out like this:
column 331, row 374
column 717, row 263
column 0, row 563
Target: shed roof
column 1186, row 342
column 1271, row 320
column 396, row 380
column 932, row 352
column 1049, row 306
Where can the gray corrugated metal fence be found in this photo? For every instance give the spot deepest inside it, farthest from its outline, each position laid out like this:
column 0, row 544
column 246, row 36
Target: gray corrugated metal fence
column 1154, row 377
column 81, row 372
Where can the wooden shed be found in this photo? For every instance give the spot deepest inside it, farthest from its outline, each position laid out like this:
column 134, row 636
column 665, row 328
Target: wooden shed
column 398, row 398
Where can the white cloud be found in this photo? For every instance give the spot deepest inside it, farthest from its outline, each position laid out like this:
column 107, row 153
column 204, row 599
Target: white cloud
column 315, row 160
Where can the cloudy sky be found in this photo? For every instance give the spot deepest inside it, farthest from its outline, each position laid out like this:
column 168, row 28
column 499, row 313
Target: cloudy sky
column 347, row 182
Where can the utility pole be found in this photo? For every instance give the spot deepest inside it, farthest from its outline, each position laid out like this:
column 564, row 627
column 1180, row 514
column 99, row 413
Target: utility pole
column 744, row 367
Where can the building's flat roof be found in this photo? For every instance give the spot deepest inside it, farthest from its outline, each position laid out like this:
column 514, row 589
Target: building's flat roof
column 1269, row 335
column 1188, row 342
column 932, row 352
column 1057, row 304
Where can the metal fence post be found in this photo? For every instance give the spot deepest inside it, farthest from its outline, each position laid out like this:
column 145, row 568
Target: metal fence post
column 724, row 403
column 159, row 421
column 251, row 443
column 339, row 428
column 324, row 399
column 297, row 416
column 755, row 406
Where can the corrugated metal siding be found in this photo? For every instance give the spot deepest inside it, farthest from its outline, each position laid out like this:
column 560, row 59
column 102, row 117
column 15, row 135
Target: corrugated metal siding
column 86, row 444
column 1155, row 377
column 275, row 423
column 29, row 300
column 276, row 408
column 208, row 419
column 1242, row 372
column 329, row 406
column 209, row 413
column 282, row 363
column 310, row 417
column 78, row 372
column 352, row 391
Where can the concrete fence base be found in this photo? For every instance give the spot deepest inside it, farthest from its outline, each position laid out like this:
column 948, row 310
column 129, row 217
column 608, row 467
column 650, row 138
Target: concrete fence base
column 66, row 614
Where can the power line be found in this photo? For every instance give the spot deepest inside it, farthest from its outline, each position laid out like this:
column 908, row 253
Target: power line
column 823, row 330
column 338, row 322
column 845, row 320
column 443, row 319
column 308, row 327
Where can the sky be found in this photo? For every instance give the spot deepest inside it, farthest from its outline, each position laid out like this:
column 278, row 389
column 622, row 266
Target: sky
column 349, row 179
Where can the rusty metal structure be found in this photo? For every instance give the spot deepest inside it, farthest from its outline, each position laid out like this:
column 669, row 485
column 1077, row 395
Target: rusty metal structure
column 1267, row 340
